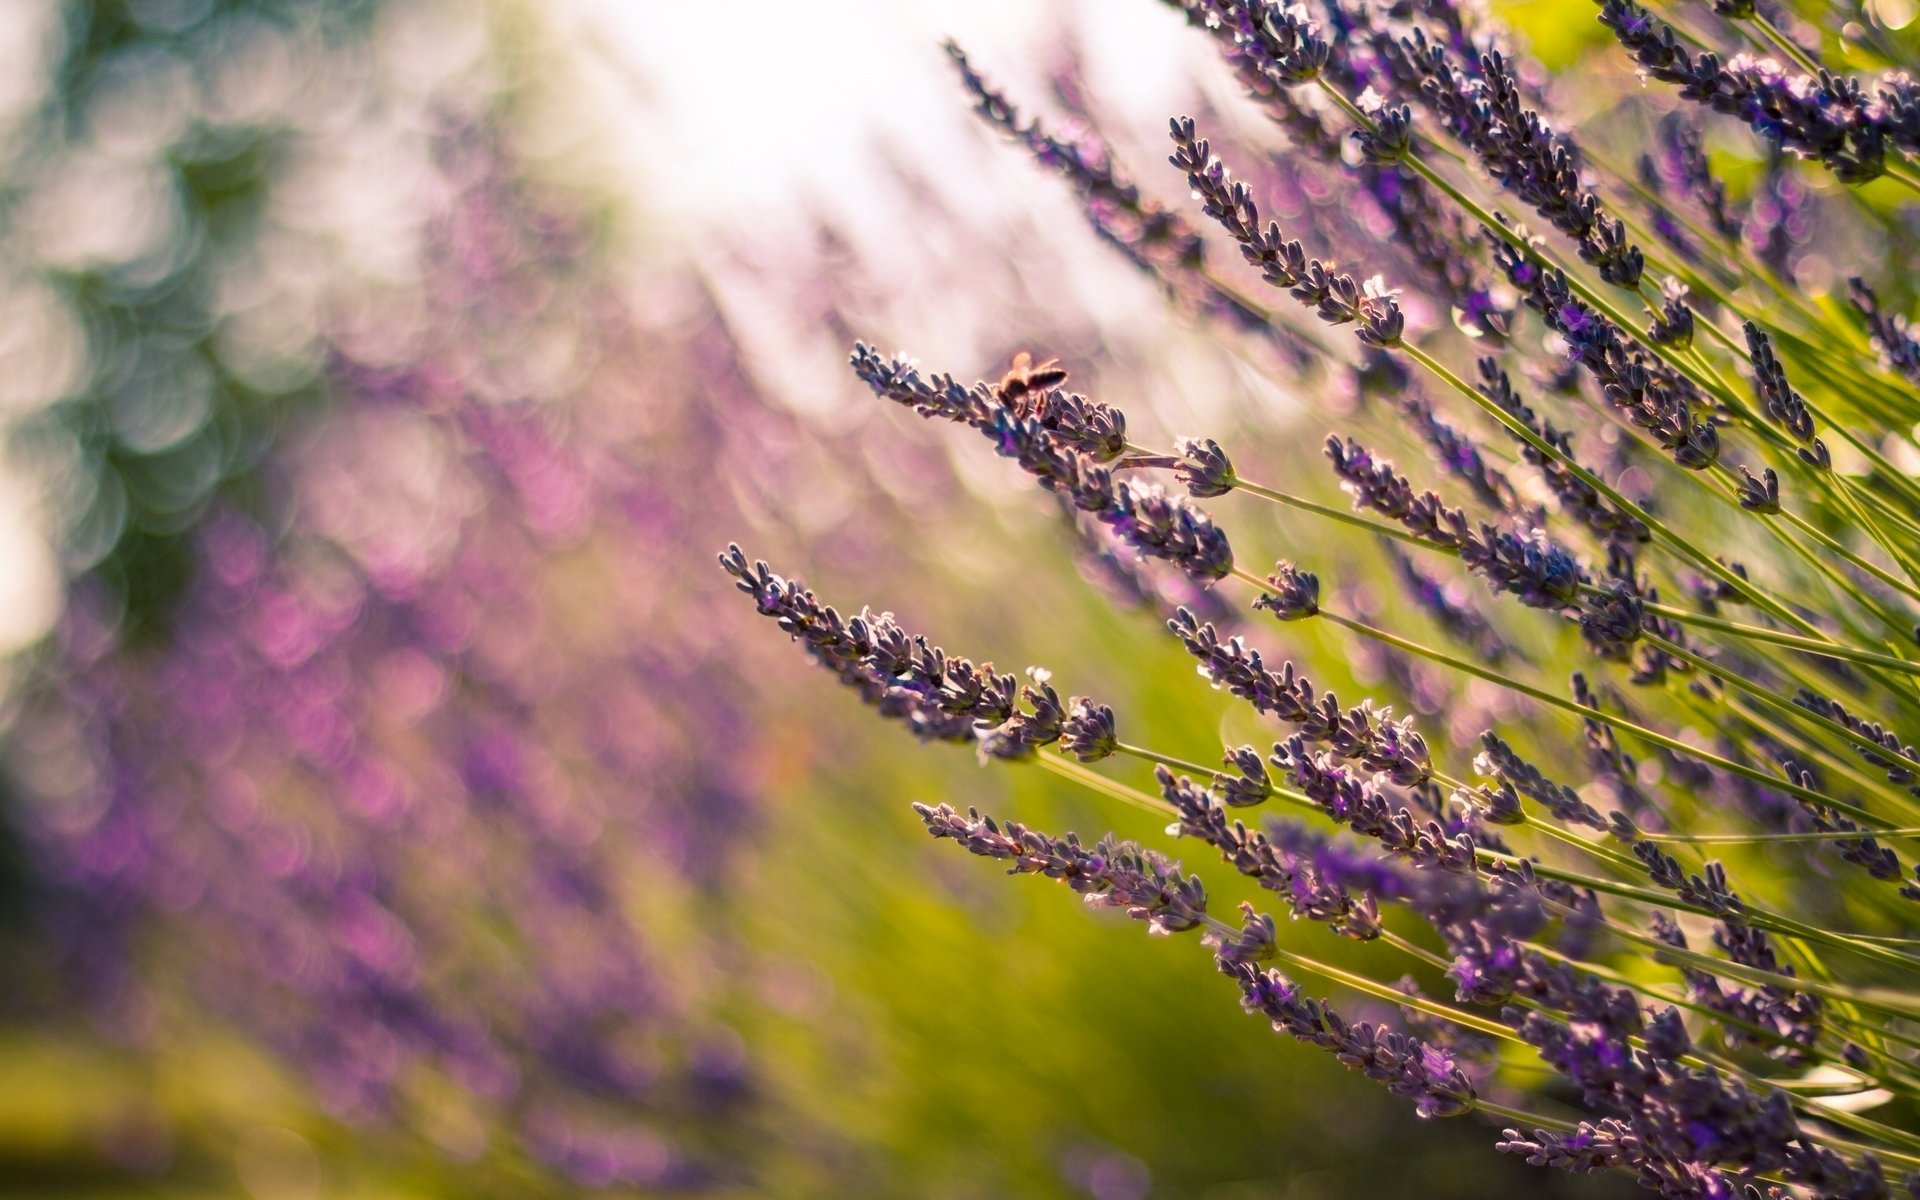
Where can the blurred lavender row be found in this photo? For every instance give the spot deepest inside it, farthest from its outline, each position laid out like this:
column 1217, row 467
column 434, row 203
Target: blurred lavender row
column 430, row 733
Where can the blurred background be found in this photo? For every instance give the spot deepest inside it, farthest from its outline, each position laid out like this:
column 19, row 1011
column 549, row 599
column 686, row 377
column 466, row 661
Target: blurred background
column 399, row 802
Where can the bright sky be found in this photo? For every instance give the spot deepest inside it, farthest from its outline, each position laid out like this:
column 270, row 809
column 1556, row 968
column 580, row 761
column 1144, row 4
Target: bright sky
column 778, row 95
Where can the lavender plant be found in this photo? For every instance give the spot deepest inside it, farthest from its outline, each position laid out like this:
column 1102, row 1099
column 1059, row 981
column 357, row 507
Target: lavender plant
column 1663, row 862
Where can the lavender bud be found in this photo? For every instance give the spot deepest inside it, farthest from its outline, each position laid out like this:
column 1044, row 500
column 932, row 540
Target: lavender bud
column 1673, row 323
column 1382, row 744
column 1589, row 1148
column 1095, row 430
column 1088, row 732
column 1286, row 45
column 1249, row 784
column 1498, row 759
column 1390, row 139
column 1337, row 298
column 1254, row 942
column 1760, row 495
column 1708, row 890
column 1485, row 110
column 1408, row 1067
column 1040, row 724
column 1613, row 621
column 1291, row 594
column 1651, row 395
column 1901, row 761
column 1497, row 806
column 1112, row 874
column 1155, row 524
column 1204, row 468
column 1899, row 350
column 1770, row 386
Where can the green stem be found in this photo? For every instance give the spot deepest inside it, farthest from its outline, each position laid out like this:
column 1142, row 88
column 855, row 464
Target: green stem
column 1839, row 548
column 1775, row 637
column 1900, row 173
column 1877, row 999
column 1756, row 839
column 1767, row 698
column 1784, row 44
column 1758, row 917
column 1581, row 710
column 1166, row 760
column 1658, row 528
column 1333, row 514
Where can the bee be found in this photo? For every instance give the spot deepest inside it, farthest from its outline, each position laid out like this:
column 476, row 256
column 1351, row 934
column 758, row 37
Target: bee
column 1023, row 378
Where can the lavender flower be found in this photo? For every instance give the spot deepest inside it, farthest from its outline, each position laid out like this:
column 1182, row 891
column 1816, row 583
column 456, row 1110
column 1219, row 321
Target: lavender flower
column 1533, row 925
column 1361, row 733
column 1337, row 298
column 1112, row 873
column 1405, row 1065
column 1780, row 401
column 1291, row 594
column 1204, row 468
column 1528, row 566
column 1650, row 394
column 1486, row 112
column 1312, row 883
column 1088, row 732
column 1498, row 759
column 1052, row 441
column 940, row 697
column 1249, row 783
column 1898, row 348
column 1827, row 117
column 1900, row 761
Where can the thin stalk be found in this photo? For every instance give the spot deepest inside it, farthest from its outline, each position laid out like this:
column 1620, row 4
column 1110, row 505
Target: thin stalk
column 1775, row 637
column 1769, row 700
column 1167, row 760
column 1759, row 917
column 1903, row 175
column 1066, row 767
column 1884, row 576
column 1658, row 528
column 1333, row 514
column 1728, row 492
column 1771, row 33
column 1581, row 710
column 1760, row 839
column 1059, row 764
column 1709, row 381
